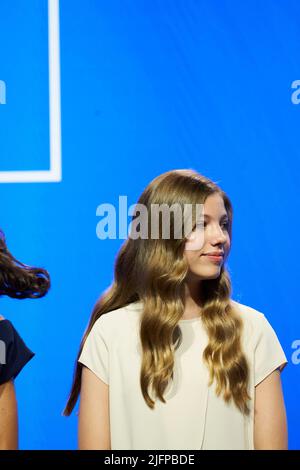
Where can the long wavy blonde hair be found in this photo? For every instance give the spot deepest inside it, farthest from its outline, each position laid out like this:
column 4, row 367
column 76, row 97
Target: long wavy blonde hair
column 154, row 271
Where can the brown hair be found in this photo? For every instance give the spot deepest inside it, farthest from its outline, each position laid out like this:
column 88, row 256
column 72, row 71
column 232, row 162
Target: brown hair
column 154, row 271
column 18, row 280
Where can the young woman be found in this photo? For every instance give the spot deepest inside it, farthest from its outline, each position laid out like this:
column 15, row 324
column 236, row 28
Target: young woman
column 169, row 360
column 20, row 282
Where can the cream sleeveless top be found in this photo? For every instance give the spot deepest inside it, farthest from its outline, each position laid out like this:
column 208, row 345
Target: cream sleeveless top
column 193, row 417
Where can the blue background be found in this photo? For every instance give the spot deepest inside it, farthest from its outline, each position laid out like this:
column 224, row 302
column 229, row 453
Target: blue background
column 146, row 86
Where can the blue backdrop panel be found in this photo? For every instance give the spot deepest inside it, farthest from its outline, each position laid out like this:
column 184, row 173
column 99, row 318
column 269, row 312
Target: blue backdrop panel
column 146, row 86
column 24, row 68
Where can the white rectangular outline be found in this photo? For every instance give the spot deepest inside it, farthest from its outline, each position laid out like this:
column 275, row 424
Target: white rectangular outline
column 55, row 172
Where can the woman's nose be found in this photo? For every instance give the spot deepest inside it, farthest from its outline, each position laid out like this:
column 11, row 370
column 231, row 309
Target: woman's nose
column 219, row 236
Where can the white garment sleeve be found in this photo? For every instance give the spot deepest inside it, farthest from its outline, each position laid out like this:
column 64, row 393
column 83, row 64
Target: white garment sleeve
column 268, row 354
column 95, row 354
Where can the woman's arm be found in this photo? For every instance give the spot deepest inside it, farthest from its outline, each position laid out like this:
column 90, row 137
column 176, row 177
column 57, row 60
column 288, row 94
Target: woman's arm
column 8, row 417
column 270, row 424
column 93, row 426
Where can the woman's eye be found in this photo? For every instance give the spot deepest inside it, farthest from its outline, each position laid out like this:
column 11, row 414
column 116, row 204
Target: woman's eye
column 200, row 225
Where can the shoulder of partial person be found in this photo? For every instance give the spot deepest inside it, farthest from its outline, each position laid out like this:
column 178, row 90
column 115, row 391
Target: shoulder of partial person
column 6, row 327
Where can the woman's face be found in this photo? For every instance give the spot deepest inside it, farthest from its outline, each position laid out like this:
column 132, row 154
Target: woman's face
column 209, row 236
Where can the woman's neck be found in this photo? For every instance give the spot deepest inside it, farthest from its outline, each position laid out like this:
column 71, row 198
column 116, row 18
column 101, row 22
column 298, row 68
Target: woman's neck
column 192, row 300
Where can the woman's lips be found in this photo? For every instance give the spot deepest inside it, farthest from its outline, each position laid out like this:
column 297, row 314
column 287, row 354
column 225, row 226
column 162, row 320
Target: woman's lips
column 215, row 259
